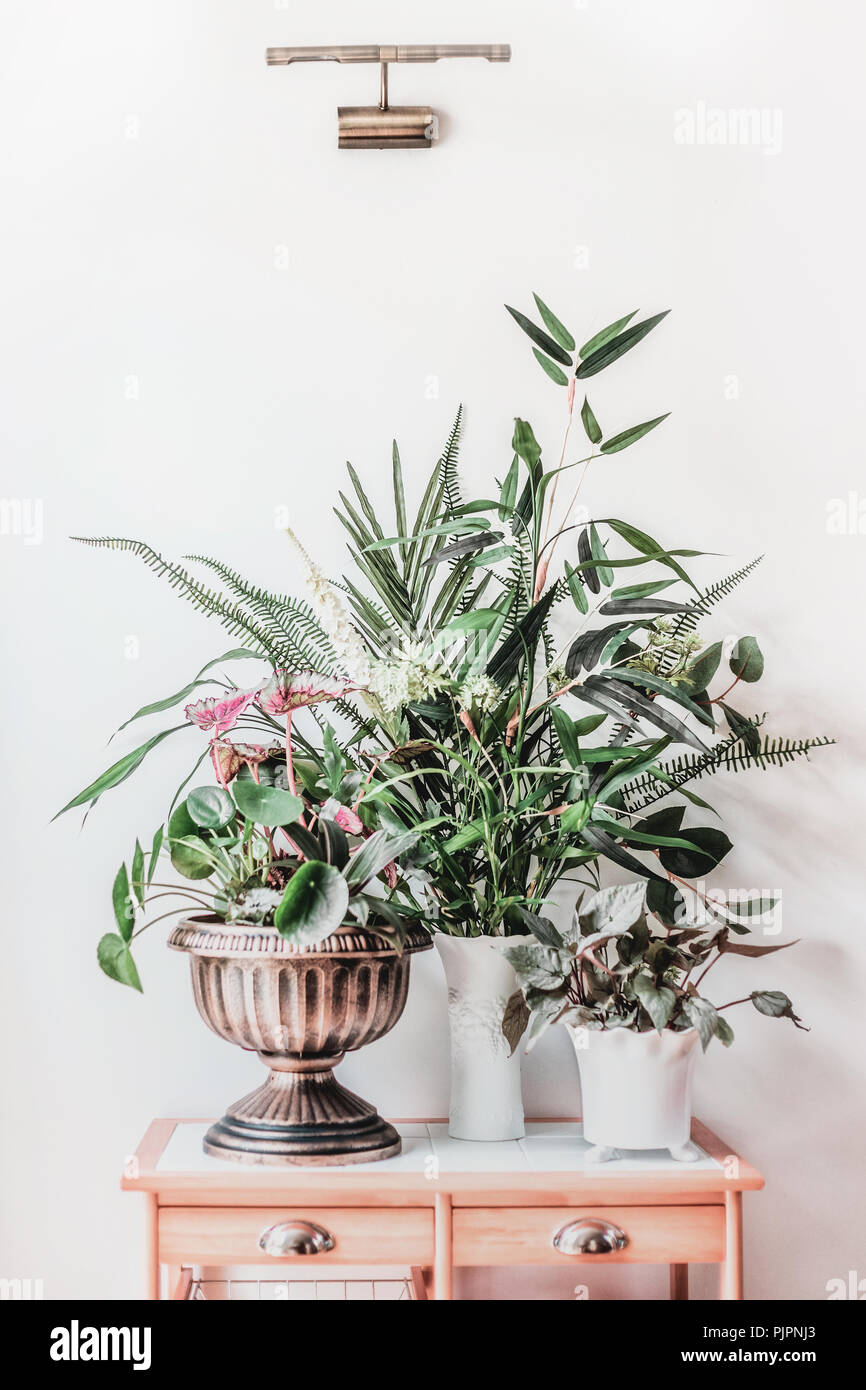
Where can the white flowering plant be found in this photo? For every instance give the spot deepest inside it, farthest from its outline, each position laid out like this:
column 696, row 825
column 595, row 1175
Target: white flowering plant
column 504, row 690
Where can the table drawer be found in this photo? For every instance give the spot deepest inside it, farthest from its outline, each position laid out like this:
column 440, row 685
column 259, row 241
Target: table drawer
column 524, row 1235
column 230, row 1235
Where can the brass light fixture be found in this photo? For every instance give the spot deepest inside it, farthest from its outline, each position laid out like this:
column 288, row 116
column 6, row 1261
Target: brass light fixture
column 386, row 127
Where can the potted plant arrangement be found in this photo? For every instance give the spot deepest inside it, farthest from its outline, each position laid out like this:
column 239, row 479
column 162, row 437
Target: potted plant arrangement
column 299, row 948
column 505, row 723
column 626, row 978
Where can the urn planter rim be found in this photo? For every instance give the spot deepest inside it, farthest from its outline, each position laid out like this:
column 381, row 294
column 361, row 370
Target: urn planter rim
column 207, row 935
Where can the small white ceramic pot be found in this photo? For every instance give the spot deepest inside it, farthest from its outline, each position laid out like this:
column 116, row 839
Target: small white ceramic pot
column 636, row 1090
column 486, row 1097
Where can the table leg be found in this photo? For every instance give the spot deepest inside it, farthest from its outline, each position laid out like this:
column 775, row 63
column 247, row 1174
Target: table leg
column 152, row 1247
column 679, row 1283
column 421, row 1281
column 732, row 1266
column 442, row 1267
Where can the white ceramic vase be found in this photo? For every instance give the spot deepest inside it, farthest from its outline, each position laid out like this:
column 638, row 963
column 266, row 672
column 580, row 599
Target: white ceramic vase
column 636, row 1090
column 486, row 1098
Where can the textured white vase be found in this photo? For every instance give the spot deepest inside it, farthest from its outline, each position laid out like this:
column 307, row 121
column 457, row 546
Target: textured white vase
column 636, row 1090
column 486, row 1098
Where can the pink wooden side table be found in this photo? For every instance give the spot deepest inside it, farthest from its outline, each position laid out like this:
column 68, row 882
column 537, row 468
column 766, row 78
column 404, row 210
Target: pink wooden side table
column 441, row 1205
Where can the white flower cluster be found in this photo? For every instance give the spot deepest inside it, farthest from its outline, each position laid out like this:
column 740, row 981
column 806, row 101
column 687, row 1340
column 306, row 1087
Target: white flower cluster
column 331, row 611
column 479, row 693
column 412, row 675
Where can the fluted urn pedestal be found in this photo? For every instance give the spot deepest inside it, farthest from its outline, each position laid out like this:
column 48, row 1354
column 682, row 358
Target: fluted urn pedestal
column 300, row 1009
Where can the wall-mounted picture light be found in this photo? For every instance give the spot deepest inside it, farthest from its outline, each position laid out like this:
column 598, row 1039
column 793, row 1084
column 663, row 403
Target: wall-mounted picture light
column 386, row 127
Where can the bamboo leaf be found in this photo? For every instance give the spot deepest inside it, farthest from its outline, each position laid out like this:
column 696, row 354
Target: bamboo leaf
column 630, row 436
column 590, row 424
column 539, row 337
column 603, row 356
column 508, row 495
column 555, row 328
column 556, row 374
column 576, row 589
column 605, row 335
column 119, row 771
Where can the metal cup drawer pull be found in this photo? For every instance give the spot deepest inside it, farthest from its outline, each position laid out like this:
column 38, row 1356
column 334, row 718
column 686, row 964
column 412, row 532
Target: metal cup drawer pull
column 296, row 1238
column 591, row 1235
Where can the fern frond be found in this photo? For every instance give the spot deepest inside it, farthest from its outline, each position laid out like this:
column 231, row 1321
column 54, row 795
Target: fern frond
column 448, row 478
column 731, row 755
column 232, row 616
column 290, row 621
column 685, row 623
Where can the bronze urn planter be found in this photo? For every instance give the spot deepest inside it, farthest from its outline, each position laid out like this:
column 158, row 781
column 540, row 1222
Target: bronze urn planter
column 300, row 1009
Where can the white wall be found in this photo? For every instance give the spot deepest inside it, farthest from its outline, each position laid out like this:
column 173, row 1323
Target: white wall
column 180, row 228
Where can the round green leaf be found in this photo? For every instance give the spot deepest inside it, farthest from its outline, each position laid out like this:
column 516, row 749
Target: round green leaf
column 747, row 660
column 181, row 823
column 190, row 857
column 267, row 805
column 314, row 904
column 116, row 962
column 712, row 844
column 210, row 807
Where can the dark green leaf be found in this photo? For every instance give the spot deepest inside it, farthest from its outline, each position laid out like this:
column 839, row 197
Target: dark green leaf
column 630, row 436
column 601, row 357
column 590, row 424
column 584, row 555
column 665, row 900
column 663, row 687
column 747, row 660
column 469, row 546
column 313, row 905
column 604, row 844
column 632, row 701
column 539, row 337
column 505, row 662
column 643, row 605
column 712, row 844
column 743, row 727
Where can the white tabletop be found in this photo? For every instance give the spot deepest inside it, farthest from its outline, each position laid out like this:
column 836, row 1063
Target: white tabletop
column 549, row 1147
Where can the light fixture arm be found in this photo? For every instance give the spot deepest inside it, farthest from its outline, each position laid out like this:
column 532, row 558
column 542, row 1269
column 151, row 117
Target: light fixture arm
column 386, row 127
